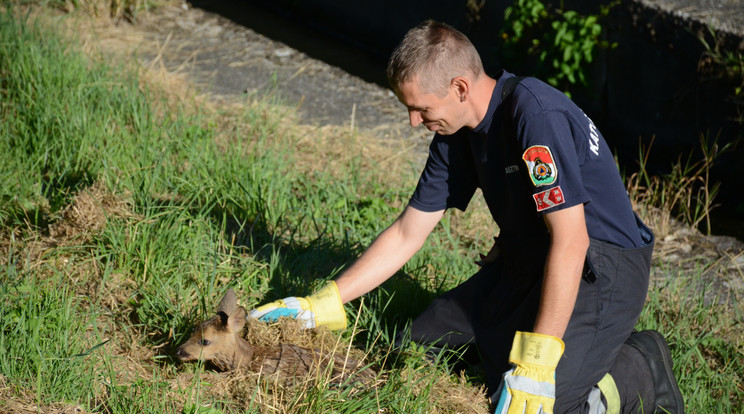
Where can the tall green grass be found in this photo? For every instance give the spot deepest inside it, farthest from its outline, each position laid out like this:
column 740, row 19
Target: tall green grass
column 207, row 212
column 42, row 339
column 213, row 204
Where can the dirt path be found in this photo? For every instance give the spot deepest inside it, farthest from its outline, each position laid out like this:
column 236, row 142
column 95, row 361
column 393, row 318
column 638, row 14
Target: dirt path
column 229, row 62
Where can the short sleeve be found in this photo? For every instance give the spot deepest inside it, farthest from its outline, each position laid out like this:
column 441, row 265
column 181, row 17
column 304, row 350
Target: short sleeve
column 448, row 179
column 553, row 160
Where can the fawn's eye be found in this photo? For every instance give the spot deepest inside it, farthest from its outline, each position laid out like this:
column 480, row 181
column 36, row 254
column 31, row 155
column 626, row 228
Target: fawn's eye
column 205, row 342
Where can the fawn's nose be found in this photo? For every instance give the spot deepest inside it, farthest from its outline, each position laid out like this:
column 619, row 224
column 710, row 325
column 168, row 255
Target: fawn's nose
column 181, row 353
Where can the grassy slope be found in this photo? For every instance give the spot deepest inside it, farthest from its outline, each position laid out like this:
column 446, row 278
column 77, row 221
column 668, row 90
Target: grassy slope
column 125, row 215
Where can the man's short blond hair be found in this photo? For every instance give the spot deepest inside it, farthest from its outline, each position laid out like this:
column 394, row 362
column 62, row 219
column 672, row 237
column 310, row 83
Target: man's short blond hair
column 435, row 53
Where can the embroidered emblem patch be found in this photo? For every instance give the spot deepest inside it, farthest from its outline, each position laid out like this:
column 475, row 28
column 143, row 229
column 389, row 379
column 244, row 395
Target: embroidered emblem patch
column 540, row 165
column 548, row 198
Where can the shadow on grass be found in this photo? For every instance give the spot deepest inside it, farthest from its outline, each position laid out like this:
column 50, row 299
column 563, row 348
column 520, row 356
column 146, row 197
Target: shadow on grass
column 301, row 267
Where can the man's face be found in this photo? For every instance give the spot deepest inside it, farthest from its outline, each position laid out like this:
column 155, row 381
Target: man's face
column 443, row 115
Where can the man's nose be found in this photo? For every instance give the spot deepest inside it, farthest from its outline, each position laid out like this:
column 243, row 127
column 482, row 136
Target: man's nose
column 415, row 118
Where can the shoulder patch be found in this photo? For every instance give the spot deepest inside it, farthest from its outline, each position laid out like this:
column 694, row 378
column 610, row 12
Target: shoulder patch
column 549, row 198
column 540, row 165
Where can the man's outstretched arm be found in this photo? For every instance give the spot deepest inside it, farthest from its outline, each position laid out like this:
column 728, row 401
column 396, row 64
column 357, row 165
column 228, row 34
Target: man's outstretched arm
column 388, row 253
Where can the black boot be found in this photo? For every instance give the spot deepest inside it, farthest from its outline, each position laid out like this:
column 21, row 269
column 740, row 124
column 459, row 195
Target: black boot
column 633, row 381
column 655, row 351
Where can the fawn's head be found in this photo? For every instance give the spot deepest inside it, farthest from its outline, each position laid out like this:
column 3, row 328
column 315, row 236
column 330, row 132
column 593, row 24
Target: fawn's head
column 218, row 338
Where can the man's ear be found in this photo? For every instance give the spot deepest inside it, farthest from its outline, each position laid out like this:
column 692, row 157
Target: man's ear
column 461, row 87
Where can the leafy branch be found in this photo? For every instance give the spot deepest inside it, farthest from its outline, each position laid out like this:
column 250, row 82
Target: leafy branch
column 560, row 44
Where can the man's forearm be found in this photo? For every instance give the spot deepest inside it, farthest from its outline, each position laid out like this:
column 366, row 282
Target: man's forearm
column 559, row 292
column 563, row 267
column 380, row 261
column 387, row 254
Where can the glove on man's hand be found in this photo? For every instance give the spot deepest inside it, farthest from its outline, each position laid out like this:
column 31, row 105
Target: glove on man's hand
column 529, row 387
column 323, row 308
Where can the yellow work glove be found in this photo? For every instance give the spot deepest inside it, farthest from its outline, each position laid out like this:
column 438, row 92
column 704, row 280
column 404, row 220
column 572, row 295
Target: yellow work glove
column 322, row 308
column 529, row 387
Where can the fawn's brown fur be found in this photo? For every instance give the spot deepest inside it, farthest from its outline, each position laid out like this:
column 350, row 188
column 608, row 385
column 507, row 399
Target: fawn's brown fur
column 218, row 340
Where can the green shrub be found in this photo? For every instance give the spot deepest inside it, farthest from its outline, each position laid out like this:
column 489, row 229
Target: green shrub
column 557, row 45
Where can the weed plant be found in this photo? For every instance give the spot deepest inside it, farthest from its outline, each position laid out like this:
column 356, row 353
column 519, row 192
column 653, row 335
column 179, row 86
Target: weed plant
column 556, row 44
column 717, row 62
column 125, row 216
column 687, row 193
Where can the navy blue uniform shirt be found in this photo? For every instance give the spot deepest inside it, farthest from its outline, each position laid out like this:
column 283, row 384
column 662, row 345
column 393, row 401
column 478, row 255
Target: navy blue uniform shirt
column 535, row 153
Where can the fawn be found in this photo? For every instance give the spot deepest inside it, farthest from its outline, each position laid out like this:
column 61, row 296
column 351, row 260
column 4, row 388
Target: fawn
column 218, row 340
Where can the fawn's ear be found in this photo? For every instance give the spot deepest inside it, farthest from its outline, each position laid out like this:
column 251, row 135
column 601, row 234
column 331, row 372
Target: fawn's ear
column 229, row 302
column 236, row 320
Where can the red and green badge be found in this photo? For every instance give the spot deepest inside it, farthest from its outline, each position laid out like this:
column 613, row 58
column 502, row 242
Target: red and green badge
column 541, row 165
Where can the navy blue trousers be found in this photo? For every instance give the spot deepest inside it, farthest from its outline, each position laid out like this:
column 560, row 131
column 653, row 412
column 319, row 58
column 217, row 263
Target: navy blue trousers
column 486, row 310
